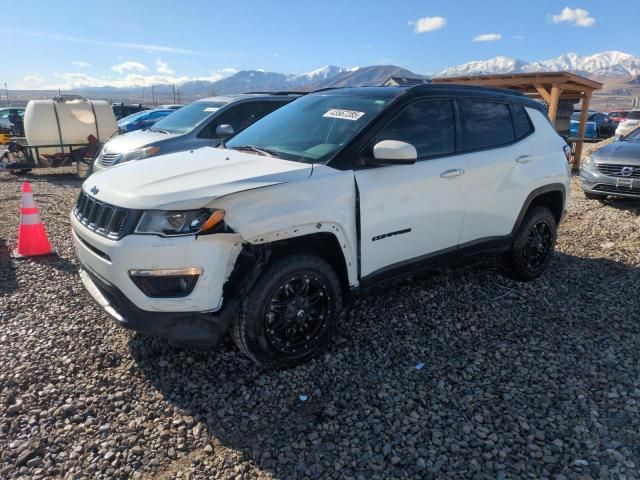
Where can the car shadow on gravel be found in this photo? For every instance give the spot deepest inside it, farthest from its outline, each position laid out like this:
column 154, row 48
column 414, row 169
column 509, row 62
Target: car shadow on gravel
column 630, row 204
column 8, row 282
column 50, row 176
column 435, row 372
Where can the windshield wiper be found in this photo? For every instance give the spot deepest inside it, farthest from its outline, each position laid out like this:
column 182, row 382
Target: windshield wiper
column 159, row 131
column 252, row 148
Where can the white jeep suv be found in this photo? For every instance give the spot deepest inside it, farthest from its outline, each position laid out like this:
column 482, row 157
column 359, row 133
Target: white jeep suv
column 333, row 192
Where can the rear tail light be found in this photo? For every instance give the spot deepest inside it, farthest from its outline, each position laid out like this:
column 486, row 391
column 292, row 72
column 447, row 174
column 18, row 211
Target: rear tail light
column 567, row 153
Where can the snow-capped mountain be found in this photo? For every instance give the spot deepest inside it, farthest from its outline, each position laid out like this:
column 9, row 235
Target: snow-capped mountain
column 495, row 65
column 323, row 73
column 602, row 64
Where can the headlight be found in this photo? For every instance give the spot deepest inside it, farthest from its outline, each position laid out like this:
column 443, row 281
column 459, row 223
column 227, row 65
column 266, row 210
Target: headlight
column 588, row 164
column 139, row 154
column 179, row 222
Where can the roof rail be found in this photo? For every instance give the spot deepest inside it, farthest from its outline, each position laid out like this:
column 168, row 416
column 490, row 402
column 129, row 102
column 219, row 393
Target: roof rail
column 284, row 92
column 325, row 89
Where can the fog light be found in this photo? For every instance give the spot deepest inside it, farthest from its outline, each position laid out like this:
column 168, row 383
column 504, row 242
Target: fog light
column 164, row 283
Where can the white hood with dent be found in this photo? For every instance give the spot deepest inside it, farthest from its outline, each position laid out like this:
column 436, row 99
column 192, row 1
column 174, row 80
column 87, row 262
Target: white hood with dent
column 188, row 180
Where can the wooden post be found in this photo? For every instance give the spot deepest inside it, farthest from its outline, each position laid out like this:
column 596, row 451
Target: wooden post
column 556, row 91
column 543, row 93
column 584, row 113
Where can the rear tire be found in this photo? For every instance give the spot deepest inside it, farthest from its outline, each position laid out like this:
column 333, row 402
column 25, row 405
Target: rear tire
column 532, row 246
column 289, row 315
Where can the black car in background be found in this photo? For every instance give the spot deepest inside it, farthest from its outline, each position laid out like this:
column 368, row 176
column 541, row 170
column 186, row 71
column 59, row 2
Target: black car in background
column 120, row 110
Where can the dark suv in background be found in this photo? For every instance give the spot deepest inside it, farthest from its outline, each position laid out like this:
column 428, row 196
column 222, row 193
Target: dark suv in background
column 204, row 123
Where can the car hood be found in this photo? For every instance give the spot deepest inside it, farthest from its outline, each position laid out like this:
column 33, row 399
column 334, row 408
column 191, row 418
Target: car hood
column 130, row 141
column 627, row 153
column 190, row 179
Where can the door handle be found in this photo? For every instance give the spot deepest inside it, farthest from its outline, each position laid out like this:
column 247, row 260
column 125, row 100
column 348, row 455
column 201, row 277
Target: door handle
column 523, row 159
column 454, row 172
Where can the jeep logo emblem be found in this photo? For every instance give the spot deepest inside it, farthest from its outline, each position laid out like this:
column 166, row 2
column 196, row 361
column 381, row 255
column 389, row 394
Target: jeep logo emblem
column 94, row 190
column 626, row 171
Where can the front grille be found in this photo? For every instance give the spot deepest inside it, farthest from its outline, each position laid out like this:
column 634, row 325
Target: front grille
column 612, row 170
column 104, row 219
column 612, row 189
column 108, row 159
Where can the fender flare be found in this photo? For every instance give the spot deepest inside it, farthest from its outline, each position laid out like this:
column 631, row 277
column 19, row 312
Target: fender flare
column 552, row 187
column 349, row 252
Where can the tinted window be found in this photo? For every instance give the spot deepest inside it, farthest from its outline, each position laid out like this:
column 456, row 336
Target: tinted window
column 485, row 124
column 428, row 125
column 187, row 118
column 241, row 116
column 521, row 121
column 635, row 115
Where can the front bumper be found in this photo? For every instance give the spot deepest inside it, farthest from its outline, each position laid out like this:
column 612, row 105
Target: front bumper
column 198, row 318
column 181, row 328
column 113, row 259
column 599, row 184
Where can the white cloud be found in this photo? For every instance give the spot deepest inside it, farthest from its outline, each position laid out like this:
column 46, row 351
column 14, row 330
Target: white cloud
column 518, row 37
column 487, row 37
column 72, row 80
column 428, row 24
column 129, row 67
column 133, row 46
column 163, row 67
column 81, row 64
column 29, row 81
column 579, row 17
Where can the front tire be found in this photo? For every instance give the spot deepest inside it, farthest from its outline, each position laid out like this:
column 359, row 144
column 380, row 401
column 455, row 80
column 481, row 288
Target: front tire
column 289, row 315
column 532, row 247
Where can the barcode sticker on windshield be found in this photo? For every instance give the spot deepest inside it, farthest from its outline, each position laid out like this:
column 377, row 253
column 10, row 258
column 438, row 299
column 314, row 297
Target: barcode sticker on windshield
column 210, row 109
column 344, row 114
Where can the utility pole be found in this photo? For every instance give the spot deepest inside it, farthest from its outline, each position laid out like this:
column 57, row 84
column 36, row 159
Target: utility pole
column 143, row 89
column 153, row 96
column 7, row 92
column 178, row 96
column 173, row 87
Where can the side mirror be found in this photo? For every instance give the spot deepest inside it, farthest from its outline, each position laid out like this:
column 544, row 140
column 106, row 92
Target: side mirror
column 223, row 131
column 394, row 152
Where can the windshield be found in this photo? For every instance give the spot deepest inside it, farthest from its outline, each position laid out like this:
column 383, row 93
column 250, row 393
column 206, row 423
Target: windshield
column 311, row 129
column 633, row 136
column 618, row 114
column 187, row 118
column 133, row 117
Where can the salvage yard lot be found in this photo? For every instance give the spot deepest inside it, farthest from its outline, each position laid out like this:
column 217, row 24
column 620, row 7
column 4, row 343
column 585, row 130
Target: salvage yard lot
column 539, row 379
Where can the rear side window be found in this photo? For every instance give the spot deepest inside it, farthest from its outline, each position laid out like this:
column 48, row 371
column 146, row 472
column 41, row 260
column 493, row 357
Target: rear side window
column 241, row 116
column 635, row 115
column 485, row 124
column 428, row 125
column 521, row 121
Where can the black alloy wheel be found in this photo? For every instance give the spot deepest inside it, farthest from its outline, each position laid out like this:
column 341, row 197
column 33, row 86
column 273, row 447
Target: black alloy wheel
column 296, row 314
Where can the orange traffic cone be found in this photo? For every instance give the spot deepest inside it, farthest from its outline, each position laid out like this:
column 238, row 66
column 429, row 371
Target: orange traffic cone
column 32, row 238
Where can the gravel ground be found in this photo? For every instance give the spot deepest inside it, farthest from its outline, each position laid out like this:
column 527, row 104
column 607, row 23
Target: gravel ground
column 460, row 373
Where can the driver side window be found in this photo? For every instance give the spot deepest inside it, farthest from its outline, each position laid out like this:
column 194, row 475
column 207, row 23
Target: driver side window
column 428, row 125
column 240, row 116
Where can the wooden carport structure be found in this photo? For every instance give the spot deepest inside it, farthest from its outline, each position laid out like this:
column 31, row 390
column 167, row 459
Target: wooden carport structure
column 551, row 87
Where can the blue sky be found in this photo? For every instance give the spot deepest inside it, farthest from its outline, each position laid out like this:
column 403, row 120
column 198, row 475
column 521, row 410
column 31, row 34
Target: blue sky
column 72, row 43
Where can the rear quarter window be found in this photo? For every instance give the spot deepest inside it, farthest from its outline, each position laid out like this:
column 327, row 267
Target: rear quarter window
column 485, row 124
column 521, row 121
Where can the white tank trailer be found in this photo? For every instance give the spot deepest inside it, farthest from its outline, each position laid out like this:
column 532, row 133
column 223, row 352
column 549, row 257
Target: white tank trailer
column 67, row 120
